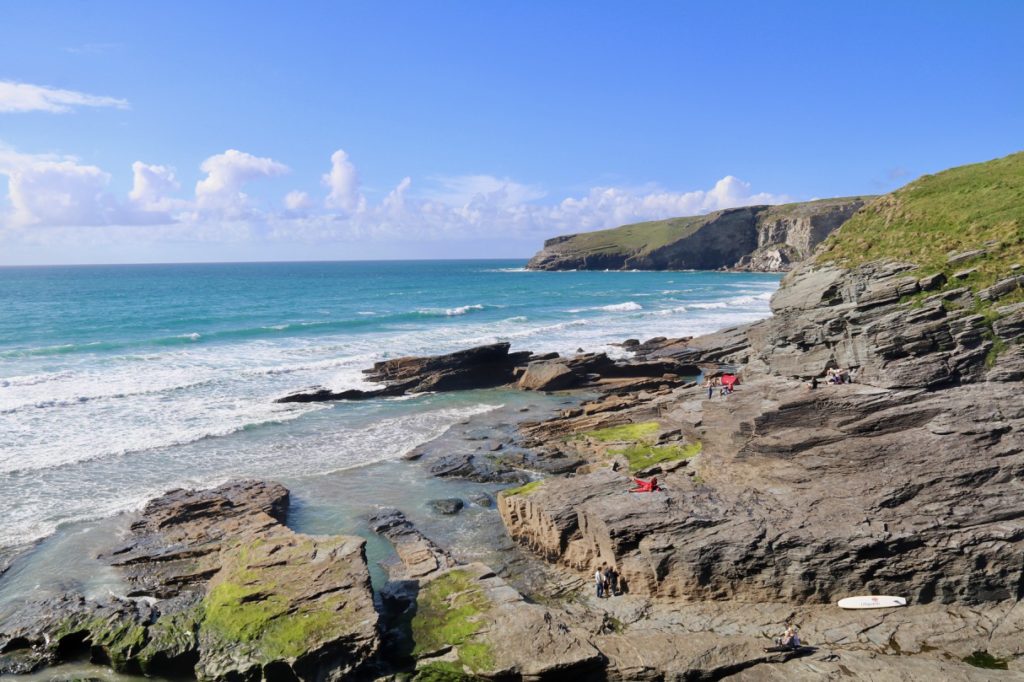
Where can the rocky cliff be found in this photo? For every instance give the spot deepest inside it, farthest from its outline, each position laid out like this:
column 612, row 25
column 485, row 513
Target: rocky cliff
column 906, row 481
column 762, row 238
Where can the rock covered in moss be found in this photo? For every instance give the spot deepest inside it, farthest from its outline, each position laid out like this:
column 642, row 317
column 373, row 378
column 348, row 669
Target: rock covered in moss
column 288, row 601
column 220, row 589
column 473, row 619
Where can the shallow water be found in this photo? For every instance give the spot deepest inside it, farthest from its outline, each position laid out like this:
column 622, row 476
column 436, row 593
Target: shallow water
column 321, row 504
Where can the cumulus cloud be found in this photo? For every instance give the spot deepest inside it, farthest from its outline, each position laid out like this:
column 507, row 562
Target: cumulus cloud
column 52, row 190
column 23, row 97
column 221, row 190
column 64, row 192
column 151, row 187
column 343, row 183
column 297, row 201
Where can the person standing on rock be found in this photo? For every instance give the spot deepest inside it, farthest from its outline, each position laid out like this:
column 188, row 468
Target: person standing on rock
column 599, row 581
column 610, row 582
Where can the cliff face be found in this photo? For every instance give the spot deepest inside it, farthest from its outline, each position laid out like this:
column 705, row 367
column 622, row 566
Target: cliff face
column 762, row 238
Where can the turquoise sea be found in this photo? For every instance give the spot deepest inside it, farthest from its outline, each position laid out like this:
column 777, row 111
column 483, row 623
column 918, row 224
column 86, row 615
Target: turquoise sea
column 120, row 382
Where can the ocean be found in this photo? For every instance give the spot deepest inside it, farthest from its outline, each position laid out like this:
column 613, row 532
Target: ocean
column 118, row 383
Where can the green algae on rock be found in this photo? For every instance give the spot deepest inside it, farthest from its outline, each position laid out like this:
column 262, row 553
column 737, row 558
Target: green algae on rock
column 240, row 596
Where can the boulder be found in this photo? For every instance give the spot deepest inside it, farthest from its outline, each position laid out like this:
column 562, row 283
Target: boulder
column 482, row 499
column 447, row 506
column 549, row 375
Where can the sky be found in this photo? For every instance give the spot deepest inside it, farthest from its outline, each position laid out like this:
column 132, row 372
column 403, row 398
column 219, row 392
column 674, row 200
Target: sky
column 196, row 131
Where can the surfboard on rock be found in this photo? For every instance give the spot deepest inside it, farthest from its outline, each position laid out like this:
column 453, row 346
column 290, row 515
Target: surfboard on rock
column 871, row 601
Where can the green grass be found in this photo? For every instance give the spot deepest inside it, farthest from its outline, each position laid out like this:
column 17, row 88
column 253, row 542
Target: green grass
column 979, row 206
column 959, row 210
column 524, row 489
column 642, row 431
column 641, row 456
column 449, row 611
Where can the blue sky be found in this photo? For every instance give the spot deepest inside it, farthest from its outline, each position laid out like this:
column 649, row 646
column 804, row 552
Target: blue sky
column 330, row 130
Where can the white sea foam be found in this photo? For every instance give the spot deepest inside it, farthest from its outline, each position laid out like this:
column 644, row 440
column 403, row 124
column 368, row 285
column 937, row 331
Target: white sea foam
column 451, row 312
column 622, row 307
column 628, row 306
column 59, row 495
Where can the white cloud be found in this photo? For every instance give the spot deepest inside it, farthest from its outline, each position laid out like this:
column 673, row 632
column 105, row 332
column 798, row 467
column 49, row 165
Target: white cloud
column 343, row 182
column 464, row 189
column 297, row 201
column 61, row 192
column 22, row 97
column 151, row 185
column 52, row 190
column 220, row 191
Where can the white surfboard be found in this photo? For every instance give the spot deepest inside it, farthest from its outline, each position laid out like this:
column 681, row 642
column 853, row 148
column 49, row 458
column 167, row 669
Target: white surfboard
column 871, row 601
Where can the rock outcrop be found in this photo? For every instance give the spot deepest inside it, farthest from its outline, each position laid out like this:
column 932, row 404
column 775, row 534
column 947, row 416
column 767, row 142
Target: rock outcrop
column 478, row 367
column 763, row 238
column 218, row 588
column 924, row 456
column 493, row 365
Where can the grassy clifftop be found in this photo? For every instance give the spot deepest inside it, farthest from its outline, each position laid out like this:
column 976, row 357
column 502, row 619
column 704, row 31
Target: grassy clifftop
column 974, row 207
column 645, row 237
column 710, row 241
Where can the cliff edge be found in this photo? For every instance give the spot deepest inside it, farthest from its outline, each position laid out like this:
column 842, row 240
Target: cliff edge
column 759, row 238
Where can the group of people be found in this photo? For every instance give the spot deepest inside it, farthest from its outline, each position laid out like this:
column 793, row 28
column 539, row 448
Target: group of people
column 790, row 640
column 723, row 383
column 607, row 581
column 833, row 375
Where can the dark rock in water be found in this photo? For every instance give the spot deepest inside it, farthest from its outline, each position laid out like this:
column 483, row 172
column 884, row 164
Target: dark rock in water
column 480, row 468
column 241, row 596
column 419, row 555
column 447, row 506
column 482, row 499
column 479, row 367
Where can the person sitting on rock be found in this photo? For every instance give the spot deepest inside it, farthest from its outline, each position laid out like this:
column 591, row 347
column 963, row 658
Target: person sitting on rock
column 643, row 486
column 791, row 639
